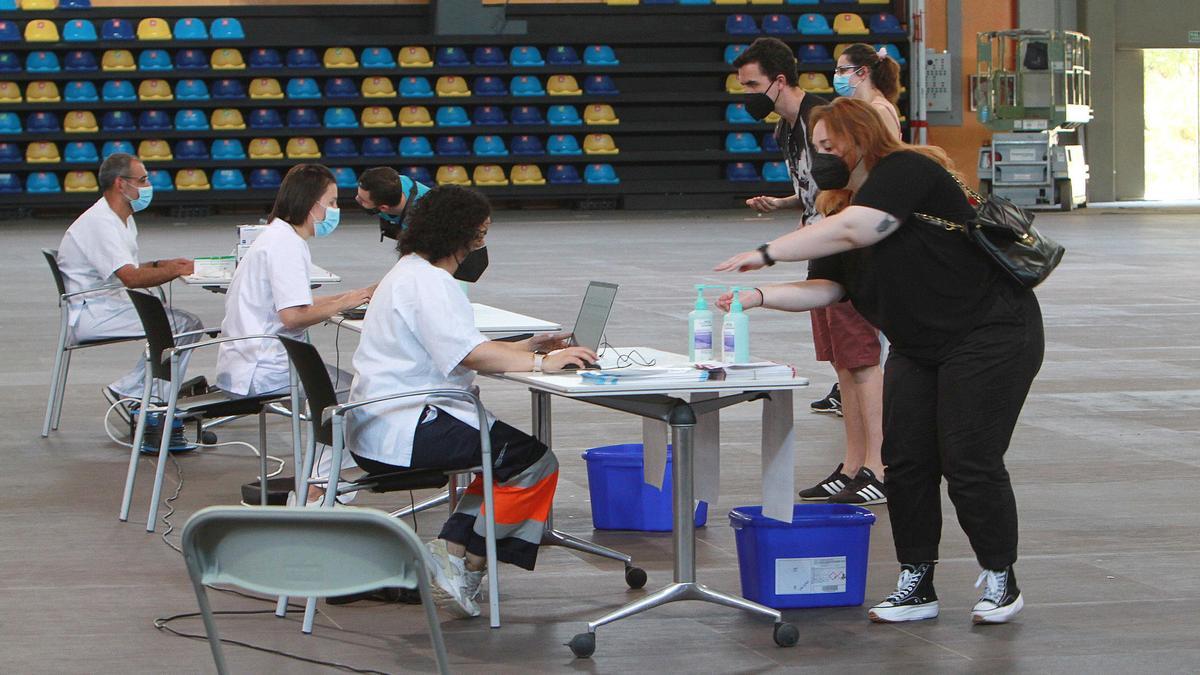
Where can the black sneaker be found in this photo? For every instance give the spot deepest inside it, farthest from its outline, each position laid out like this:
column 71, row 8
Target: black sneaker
column 826, row 488
column 830, row 404
column 864, row 490
column 114, row 399
column 1001, row 600
column 913, row 600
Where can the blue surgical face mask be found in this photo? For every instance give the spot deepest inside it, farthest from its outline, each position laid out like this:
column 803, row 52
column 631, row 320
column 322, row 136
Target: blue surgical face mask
column 841, row 84
column 145, row 194
column 325, row 226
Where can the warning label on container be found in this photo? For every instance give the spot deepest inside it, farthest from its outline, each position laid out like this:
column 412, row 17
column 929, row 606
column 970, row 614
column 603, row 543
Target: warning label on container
column 801, row 576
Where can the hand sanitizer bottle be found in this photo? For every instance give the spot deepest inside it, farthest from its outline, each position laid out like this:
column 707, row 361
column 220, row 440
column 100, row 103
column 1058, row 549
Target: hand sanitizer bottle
column 736, row 332
column 700, row 329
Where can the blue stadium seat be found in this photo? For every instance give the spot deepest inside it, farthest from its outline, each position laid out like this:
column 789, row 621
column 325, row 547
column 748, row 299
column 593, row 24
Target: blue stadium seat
column 9, row 123
column 191, row 59
column 776, row 172
column 118, row 90
column 527, row 85
column 563, row 174
column 892, row 51
column 10, row 183
column 740, row 24
column 489, row 56
column 527, row 145
column 81, row 91
column 562, row 55
column 526, row 55
column 340, row 87
column 344, row 177
column 9, row 63
column 489, row 115
column 303, row 87
column 113, row 147
column 41, row 182
column 777, row 24
column 415, row 87
column 117, row 121
column 117, row 29
column 418, row 174
column 191, row 119
column 303, row 118
column 378, row 57
column 10, row 153
column 527, row 114
column 563, row 144
column 191, row 149
column 594, row 85
column 340, row 118
column 79, row 61
column 154, row 120
column 9, row 31
column 452, row 146
column 74, row 4
column 155, row 59
column 599, row 55
column 41, row 62
column 81, row 152
column 600, row 174
column 734, row 51
column 452, row 116
column 451, row 56
column 228, row 179
column 340, row 146
column 191, row 90
column 489, row 146
column 378, row 146
column 814, row 54
column 563, row 115
column 303, row 57
column 735, row 113
column 265, row 57
column 265, row 118
column 769, row 144
column 813, row 24
column 227, row 28
column 741, row 171
column 265, row 179
column 190, row 29
column 79, row 30
column 228, row 148
column 415, row 146
column 161, row 180
column 489, row 85
column 228, row 89
column 739, row 141
column 886, row 24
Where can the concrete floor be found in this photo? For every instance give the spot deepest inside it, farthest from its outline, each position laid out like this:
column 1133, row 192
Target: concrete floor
column 1105, row 463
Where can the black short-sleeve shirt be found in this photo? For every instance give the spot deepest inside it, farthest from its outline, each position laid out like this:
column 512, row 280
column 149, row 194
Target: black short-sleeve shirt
column 923, row 286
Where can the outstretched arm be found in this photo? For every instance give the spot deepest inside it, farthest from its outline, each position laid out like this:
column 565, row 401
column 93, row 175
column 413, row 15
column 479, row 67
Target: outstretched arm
column 854, row 227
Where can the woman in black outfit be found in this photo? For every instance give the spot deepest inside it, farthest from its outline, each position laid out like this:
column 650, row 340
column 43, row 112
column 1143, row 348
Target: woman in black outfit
column 966, row 345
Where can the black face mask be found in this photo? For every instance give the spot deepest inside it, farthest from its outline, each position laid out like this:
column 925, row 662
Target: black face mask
column 760, row 105
column 829, row 171
column 472, row 266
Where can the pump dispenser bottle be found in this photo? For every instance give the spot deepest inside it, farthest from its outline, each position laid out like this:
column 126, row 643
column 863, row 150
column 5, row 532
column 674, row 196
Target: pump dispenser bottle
column 736, row 332
column 700, row 329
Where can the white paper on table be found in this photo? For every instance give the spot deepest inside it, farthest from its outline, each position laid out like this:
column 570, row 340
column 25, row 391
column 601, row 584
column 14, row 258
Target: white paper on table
column 706, row 453
column 778, row 456
column 654, row 451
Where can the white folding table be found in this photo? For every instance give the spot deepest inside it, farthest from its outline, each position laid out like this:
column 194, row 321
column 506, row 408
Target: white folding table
column 491, row 321
column 316, row 277
column 681, row 405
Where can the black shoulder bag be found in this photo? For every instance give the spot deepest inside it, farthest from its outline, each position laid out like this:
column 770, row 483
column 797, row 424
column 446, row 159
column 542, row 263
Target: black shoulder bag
column 1006, row 233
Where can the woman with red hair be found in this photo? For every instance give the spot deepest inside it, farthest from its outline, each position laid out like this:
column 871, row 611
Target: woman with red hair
column 966, row 343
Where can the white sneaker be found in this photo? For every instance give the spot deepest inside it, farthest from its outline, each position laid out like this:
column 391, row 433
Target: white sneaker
column 1001, row 600
column 473, row 584
column 291, row 500
column 448, row 576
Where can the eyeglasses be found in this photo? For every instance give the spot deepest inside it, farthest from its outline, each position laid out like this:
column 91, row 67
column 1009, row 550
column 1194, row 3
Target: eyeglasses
column 141, row 180
column 845, row 69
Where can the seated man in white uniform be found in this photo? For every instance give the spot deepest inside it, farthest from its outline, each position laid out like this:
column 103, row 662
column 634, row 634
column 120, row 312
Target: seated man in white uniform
column 419, row 333
column 100, row 248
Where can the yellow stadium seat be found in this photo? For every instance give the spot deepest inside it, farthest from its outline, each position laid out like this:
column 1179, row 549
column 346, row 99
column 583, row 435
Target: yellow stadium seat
column 155, row 90
column 155, row 151
column 527, row 174
column 302, row 147
column 265, row 87
column 451, row 85
column 766, row 2
column 191, row 179
column 153, row 29
column 729, row 2
column 772, row 118
column 42, row 92
column 117, row 60
column 874, row 2
column 340, row 57
column 41, row 31
column 563, row 85
column 733, row 85
column 452, row 174
column 415, row 57
column 227, row 59
column 10, row 92
column 38, row 5
column 599, row 144
column 817, row 83
column 42, row 152
column 377, row 116
column 489, row 174
column 849, row 24
column 81, row 181
column 415, row 116
column 265, row 148
column 378, row 87
column 80, row 122
column 837, row 51
column 228, row 118
column 600, row 113
column 621, row 2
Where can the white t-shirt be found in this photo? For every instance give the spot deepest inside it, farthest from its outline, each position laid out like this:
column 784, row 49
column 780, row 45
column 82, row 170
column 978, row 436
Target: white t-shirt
column 94, row 247
column 273, row 275
column 418, row 329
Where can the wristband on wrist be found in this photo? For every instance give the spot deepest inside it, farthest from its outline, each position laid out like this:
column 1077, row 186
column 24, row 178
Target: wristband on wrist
column 762, row 299
column 767, row 259
column 537, row 363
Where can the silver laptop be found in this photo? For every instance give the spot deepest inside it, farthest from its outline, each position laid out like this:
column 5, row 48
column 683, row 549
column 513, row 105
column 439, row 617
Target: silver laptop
column 593, row 315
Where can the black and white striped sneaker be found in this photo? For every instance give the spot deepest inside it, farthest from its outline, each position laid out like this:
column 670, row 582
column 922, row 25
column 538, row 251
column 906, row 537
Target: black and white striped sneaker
column 826, row 488
column 1001, row 600
column 913, row 600
column 864, row 490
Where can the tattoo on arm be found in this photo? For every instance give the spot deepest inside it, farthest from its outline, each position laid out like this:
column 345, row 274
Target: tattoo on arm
column 886, row 224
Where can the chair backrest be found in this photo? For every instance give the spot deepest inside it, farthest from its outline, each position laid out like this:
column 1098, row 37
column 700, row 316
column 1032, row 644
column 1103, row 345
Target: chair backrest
column 158, row 331
column 52, row 260
column 315, row 379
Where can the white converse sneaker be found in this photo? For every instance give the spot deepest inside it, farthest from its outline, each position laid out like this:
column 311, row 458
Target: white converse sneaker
column 448, row 575
column 913, row 600
column 1001, row 600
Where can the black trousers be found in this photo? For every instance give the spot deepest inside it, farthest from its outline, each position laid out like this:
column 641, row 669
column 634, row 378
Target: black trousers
column 955, row 418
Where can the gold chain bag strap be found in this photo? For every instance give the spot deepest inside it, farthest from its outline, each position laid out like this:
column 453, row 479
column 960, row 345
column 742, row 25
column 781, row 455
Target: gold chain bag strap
column 1006, row 233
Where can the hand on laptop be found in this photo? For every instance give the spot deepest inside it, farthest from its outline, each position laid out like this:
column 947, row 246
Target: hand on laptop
column 579, row 357
column 546, row 342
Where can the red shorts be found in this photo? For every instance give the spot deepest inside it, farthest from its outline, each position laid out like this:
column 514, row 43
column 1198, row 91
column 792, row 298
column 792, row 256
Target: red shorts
column 843, row 337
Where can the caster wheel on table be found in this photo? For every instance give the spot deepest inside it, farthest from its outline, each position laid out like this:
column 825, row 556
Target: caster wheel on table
column 208, row 437
column 583, row 645
column 635, row 577
column 786, row 635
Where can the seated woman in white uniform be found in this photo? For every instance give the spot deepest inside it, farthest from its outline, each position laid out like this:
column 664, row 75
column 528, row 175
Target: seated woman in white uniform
column 270, row 293
column 419, row 333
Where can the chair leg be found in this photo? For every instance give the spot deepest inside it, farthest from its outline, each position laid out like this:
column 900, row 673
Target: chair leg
column 281, row 606
column 62, row 390
column 139, row 435
column 55, row 376
column 210, row 628
column 310, row 612
column 262, row 457
column 435, row 626
column 164, row 447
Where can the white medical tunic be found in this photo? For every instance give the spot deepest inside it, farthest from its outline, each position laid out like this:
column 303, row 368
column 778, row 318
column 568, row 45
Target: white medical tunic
column 273, row 275
column 418, row 329
column 94, row 247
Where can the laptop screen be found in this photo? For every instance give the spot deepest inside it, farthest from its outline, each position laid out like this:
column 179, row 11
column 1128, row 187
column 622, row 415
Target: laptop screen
column 593, row 315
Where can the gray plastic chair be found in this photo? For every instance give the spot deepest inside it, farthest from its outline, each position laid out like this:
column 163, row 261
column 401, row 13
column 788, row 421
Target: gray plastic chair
column 283, row 551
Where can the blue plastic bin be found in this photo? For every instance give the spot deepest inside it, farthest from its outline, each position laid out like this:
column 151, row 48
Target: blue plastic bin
column 817, row 560
column 621, row 499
